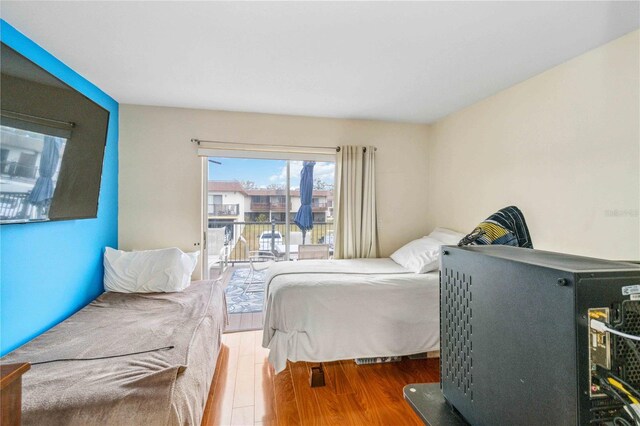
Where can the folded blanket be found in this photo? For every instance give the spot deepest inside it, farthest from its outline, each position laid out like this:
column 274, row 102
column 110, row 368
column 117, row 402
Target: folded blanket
column 505, row 227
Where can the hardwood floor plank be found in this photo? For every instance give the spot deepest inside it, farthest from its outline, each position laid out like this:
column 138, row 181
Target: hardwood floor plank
column 287, row 412
column 247, row 343
column 349, row 408
column 421, row 370
column 232, row 339
column 262, row 354
column 242, row 416
column 308, row 407
column 338, row 409
column 362, row 396
column 384, row 391
column 336, row 378
column 245, row 382
column 265, row 404
column 225, row 389
column 246, row 389
column 211, row 408
column 222, row 398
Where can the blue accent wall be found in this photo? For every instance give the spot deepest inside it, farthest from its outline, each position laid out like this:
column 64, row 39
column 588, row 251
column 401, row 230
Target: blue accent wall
column 50, row 270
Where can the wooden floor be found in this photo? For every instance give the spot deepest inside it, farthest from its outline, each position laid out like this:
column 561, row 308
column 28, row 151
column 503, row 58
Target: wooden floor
column 246, row 391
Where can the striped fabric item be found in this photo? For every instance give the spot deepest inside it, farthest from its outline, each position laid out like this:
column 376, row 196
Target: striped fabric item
column 505, row 227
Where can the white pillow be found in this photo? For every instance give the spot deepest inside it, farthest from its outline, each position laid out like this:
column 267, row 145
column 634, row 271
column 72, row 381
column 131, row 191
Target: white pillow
column 148, row 271
column 419, row 256
column 447, row 236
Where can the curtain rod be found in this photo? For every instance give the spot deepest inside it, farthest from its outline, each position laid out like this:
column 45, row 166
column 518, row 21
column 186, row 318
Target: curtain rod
column 38, row 120
column 267, row 147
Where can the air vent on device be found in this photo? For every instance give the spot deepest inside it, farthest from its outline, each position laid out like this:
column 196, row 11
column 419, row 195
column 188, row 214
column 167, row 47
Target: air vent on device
column 457, row 332
column 626, row 358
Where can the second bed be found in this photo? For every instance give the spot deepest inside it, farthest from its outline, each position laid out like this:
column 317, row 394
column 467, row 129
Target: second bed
column 328, row 310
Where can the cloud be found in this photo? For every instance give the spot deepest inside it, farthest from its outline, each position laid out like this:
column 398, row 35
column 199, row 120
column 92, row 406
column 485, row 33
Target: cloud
column 325, row 172
column 322, row 170
column 280, row 178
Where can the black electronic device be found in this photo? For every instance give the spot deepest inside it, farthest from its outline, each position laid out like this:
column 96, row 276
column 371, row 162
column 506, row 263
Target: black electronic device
column 518, row 345
column 52, row 143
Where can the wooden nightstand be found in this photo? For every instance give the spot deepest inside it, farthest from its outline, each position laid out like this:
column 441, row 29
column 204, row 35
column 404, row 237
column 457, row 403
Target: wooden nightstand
column 11, row 392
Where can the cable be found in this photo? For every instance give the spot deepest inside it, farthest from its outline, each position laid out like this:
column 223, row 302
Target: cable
column 103, row 357
column 616, row 384
column 621, row 421
column 628, row 406
column 629, row 387
column 601, row 326
column 633, row 348
column 607, row 389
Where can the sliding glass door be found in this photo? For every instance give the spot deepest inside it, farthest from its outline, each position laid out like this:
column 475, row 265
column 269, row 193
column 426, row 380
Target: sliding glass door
column 251, row 206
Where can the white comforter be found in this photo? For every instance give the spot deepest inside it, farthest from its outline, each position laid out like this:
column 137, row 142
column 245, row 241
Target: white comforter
column 327, row 310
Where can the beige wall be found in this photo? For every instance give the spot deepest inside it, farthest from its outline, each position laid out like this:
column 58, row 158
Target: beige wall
column 160, row 174
column 563, row 146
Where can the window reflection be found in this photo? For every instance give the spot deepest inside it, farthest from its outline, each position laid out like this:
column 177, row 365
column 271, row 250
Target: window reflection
column 29, row 168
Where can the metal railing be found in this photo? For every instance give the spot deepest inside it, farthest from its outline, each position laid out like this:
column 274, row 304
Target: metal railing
column 243, row 237
column 277, row 206
column 224, row 209
column 259, row 206
column 15, row 169
column 319, row 207
column 14, row 206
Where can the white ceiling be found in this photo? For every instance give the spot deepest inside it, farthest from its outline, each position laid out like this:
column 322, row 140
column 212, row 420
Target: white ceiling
column 414, row 62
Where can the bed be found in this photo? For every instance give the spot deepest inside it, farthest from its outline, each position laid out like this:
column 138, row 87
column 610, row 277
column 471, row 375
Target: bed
column 126, row 359
column 327, row 310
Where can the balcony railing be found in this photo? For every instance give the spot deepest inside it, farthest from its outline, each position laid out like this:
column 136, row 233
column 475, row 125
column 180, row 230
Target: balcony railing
column 279, row 207
column 224, row 209
column 14, row 206
column 243, row 237
column 275, row 206
column 318, row 207
column 265, row 206
column 258, row 206
column 15, row 169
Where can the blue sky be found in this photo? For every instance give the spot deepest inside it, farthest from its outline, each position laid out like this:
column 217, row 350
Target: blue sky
column 265, row 172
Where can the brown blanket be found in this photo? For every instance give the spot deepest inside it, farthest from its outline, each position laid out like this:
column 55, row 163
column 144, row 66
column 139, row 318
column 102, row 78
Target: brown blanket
column 157, row 387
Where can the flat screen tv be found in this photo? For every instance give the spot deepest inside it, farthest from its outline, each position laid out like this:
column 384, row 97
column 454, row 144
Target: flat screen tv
column 52, row 142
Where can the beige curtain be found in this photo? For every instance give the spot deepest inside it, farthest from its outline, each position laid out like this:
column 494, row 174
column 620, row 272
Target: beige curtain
column 355, row 214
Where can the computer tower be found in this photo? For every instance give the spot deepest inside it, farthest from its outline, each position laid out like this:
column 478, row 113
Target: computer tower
column 516, row 342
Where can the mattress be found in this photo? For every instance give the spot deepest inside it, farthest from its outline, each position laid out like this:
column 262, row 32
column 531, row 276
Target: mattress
column 126, row 359
column 327, row 310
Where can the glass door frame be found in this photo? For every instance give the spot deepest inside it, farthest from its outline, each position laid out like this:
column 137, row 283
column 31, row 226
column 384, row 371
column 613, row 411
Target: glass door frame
column 249, row 154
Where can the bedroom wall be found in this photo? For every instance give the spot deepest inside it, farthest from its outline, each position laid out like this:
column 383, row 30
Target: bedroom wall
column 564, row 146
column 160, row 173
column 50, row 270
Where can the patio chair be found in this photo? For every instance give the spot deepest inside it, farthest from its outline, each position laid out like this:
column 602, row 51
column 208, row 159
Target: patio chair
column 219, row 252
column 258, row 261
column 220, row 260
